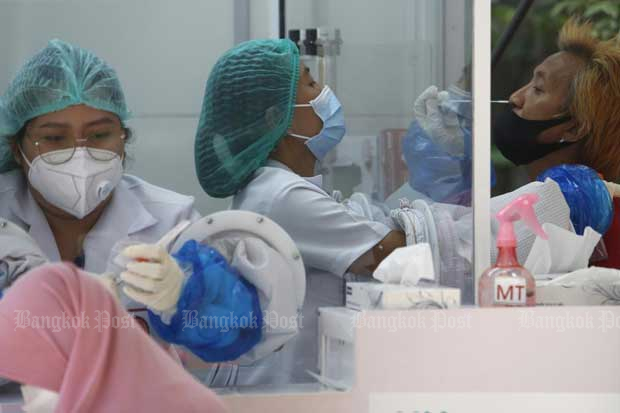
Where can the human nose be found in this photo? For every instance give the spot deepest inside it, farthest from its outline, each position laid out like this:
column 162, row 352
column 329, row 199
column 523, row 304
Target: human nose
column 517, row 99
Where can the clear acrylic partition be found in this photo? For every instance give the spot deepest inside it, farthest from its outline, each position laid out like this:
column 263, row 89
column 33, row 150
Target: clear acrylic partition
column 403, row 141
column 163, row 52
column 403, row 72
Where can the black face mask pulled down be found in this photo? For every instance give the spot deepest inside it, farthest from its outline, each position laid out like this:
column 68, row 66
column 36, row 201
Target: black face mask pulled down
column 516, row 138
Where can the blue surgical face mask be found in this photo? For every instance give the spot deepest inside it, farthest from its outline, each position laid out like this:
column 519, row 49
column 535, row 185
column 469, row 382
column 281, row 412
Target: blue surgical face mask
column 328, row 108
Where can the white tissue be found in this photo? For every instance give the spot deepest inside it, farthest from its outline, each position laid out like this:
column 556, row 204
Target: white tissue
column 588, row 275
column 563, row 252
column 590, row 286
column 407, row 266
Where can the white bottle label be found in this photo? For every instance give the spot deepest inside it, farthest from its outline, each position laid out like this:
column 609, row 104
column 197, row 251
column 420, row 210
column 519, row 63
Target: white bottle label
column 509, row 291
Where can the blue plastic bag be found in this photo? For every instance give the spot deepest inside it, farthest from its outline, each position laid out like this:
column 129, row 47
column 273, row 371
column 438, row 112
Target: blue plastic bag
column 218, row 314
column 433, row 171
column 586, row 194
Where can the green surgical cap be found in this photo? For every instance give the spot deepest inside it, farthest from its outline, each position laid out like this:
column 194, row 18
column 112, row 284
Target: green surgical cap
column 59, row 76
column 247, row 108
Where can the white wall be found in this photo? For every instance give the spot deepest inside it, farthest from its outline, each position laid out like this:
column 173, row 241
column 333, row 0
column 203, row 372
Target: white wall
column 162, row 50
column 392, row 51
column 263, row 19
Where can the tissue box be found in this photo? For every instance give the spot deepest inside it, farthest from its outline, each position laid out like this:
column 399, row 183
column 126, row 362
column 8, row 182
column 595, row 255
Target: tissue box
column 590, row 292
column 336, row 345
column 378, row 296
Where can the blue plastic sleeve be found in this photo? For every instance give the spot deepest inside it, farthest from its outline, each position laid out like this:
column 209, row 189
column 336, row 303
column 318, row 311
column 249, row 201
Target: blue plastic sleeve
column 435, row 172
column 586, row 194
column 218, row 314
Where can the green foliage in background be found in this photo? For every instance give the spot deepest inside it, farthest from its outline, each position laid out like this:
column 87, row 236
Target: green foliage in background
column 536, row 38
column 603, row 14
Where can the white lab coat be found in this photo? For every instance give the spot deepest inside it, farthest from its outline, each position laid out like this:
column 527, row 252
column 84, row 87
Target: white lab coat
column 138, row 210
column 329, row 237
column 19, row 253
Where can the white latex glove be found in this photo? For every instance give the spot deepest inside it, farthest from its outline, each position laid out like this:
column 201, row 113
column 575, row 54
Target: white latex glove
column 280, row 303
column 613, row 188
column 153, row 278
column 441, row 125
column 412, row 223
column 405, row 219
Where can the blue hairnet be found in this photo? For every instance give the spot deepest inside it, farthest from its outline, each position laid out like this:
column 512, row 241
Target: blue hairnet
column 59, row 76
column 247, row 108
column 218, row 314
column 586, row 195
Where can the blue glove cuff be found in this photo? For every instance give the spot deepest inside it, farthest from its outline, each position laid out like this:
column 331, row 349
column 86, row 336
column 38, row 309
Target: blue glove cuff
column 218, row 314
column 586, row 195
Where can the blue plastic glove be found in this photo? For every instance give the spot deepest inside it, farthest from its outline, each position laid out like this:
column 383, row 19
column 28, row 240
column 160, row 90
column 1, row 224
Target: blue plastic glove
column 586, row 194
column 218, row 314
column 433, row 171
column 440, row 167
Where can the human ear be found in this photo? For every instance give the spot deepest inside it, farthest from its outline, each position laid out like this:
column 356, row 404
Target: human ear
column 573, row 132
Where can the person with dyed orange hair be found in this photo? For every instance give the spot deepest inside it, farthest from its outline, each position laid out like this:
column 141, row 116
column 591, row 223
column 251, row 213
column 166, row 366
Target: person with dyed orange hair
column 569, row 113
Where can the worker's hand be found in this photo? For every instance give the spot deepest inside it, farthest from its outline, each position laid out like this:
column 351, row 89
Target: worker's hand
column 438, row 121
column 152, row 278
column 613, row 188
column 410, row 222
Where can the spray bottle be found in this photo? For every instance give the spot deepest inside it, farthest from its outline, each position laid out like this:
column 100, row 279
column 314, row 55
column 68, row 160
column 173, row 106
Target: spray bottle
column 508, row 284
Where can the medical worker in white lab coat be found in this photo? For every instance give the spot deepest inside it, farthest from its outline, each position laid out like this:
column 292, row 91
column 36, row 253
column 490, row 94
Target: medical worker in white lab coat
column 265, row 123
column 63, row 139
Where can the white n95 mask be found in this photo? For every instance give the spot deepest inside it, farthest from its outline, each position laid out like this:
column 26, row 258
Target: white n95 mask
column 79, row 185
column 328, row 108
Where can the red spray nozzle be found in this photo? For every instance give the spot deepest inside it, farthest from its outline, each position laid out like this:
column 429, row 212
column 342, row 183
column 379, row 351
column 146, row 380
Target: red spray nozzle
column 521, row 208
